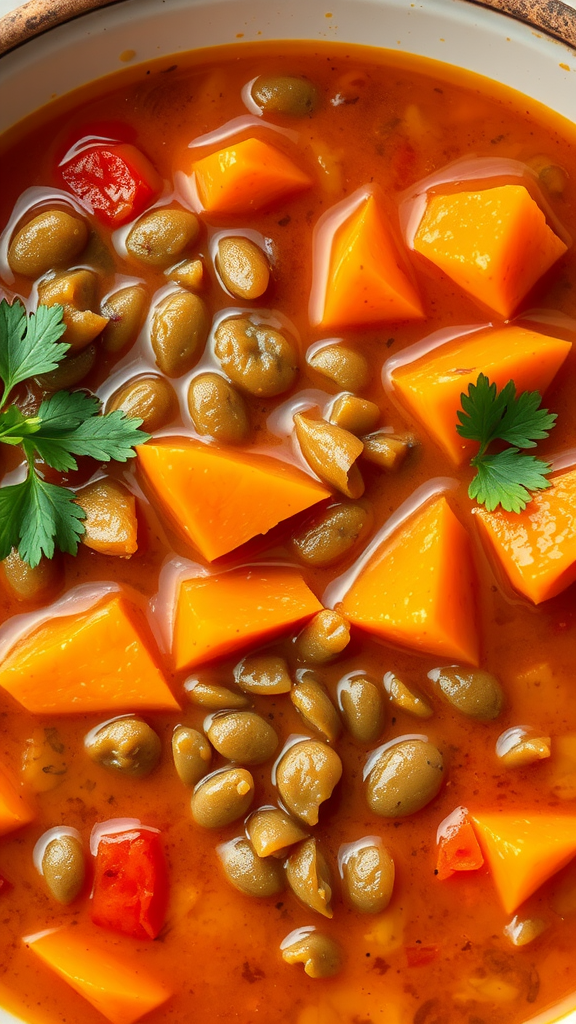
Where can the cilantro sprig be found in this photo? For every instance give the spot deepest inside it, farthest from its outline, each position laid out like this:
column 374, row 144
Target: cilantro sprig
column 507, row 477
column 37, row 517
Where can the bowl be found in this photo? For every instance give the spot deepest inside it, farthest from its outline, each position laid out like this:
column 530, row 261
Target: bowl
column 55, row 46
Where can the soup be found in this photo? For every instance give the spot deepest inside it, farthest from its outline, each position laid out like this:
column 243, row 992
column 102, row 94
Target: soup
column 291, row 734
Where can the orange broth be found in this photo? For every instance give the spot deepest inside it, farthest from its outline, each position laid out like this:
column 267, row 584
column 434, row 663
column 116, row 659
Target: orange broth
column 219, row 950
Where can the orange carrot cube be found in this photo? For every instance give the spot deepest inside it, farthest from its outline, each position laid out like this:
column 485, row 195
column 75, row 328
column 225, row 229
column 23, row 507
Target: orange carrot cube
column 96, row 660
column 14, row 810
column 523, row 851
column 366, row 282
column 495, row 244
column 418, row 590
column 250, row 175
column 536, row 548
column 431, row 386
column 116, row 984
column 219, row 499
column 216, row 615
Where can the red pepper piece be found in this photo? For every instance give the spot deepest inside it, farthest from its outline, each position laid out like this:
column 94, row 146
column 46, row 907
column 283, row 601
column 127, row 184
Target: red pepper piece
column 130, row 892
column 458, row 848
column 419, row 956
column 116, row 181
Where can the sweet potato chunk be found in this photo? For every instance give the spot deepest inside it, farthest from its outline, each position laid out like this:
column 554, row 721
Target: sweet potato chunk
column 113, row 982
column 537, row 547
column 523, row 851
column 216, row 615
column 93, row 661
column 418, row 589
column 14, row 810
column 219, row 499
column 250, row 175
column 432, row 385
column 495, row 244
column 365, row 283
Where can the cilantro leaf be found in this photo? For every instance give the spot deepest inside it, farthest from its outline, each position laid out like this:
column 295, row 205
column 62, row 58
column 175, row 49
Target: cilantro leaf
column 70, row 425
column 36, row 517
column 507, row 479
column 483, row 409
column 29, row 345
column 523, row 422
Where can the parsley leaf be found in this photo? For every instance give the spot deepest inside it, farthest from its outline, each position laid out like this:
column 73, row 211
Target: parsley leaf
column 506, row 478
column 36, row 517
column 29, row 345
column 14, row 427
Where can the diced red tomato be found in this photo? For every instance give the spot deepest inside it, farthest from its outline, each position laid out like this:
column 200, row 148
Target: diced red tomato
column 458, row 848
column 130, row 892
column 420, row 956
column 116, row 181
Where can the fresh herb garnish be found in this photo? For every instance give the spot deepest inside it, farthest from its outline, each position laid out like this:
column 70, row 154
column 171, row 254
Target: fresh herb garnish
column 509, row 477
column 36, row 517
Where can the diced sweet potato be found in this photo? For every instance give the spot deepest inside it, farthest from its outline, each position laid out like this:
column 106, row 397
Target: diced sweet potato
column 536, row 548
column 111, row 527
column 523, row 851
column 14, row 810
column 216, row 615
column 366, row 282
column 494, row 243
column 219, row 499
column 93, row 661
column 250, row 175
column 116, row 984
column 418, row 589
column 432, row 385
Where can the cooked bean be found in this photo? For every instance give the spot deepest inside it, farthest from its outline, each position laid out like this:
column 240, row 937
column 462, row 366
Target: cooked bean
column 332, row 453
column 518, row 747
column 386, row 450
column 44, row 766
column 320, row 955
column 70, row 371
column 126, row 745
column 32, row 584
column 150, row 399
column 248, row 872
column 192, row 754
column 553, row 177
column 263, row 673
column 471, row 691
column 346, row 368
column 354, row 414
column 405, row 777
column 362, row 707
column 285, row 94
column 190, row 274
column 243, row 267
column 126, row 310
column 308, row 875
column 217, row 410
column 332, row 535
column 162, row 235
column 76, row 293
column 522, row 931
column 242, row 736
column 307, row 776
column 51, row 239
column 179, row 331
column 222, row 797
column 368, row 875
column 271, row 831
column 110, row 526
column 256, row 357
column 405, row 698
column 324, row 638
column 214, row 697
column 311, row 700
column 63, row 868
